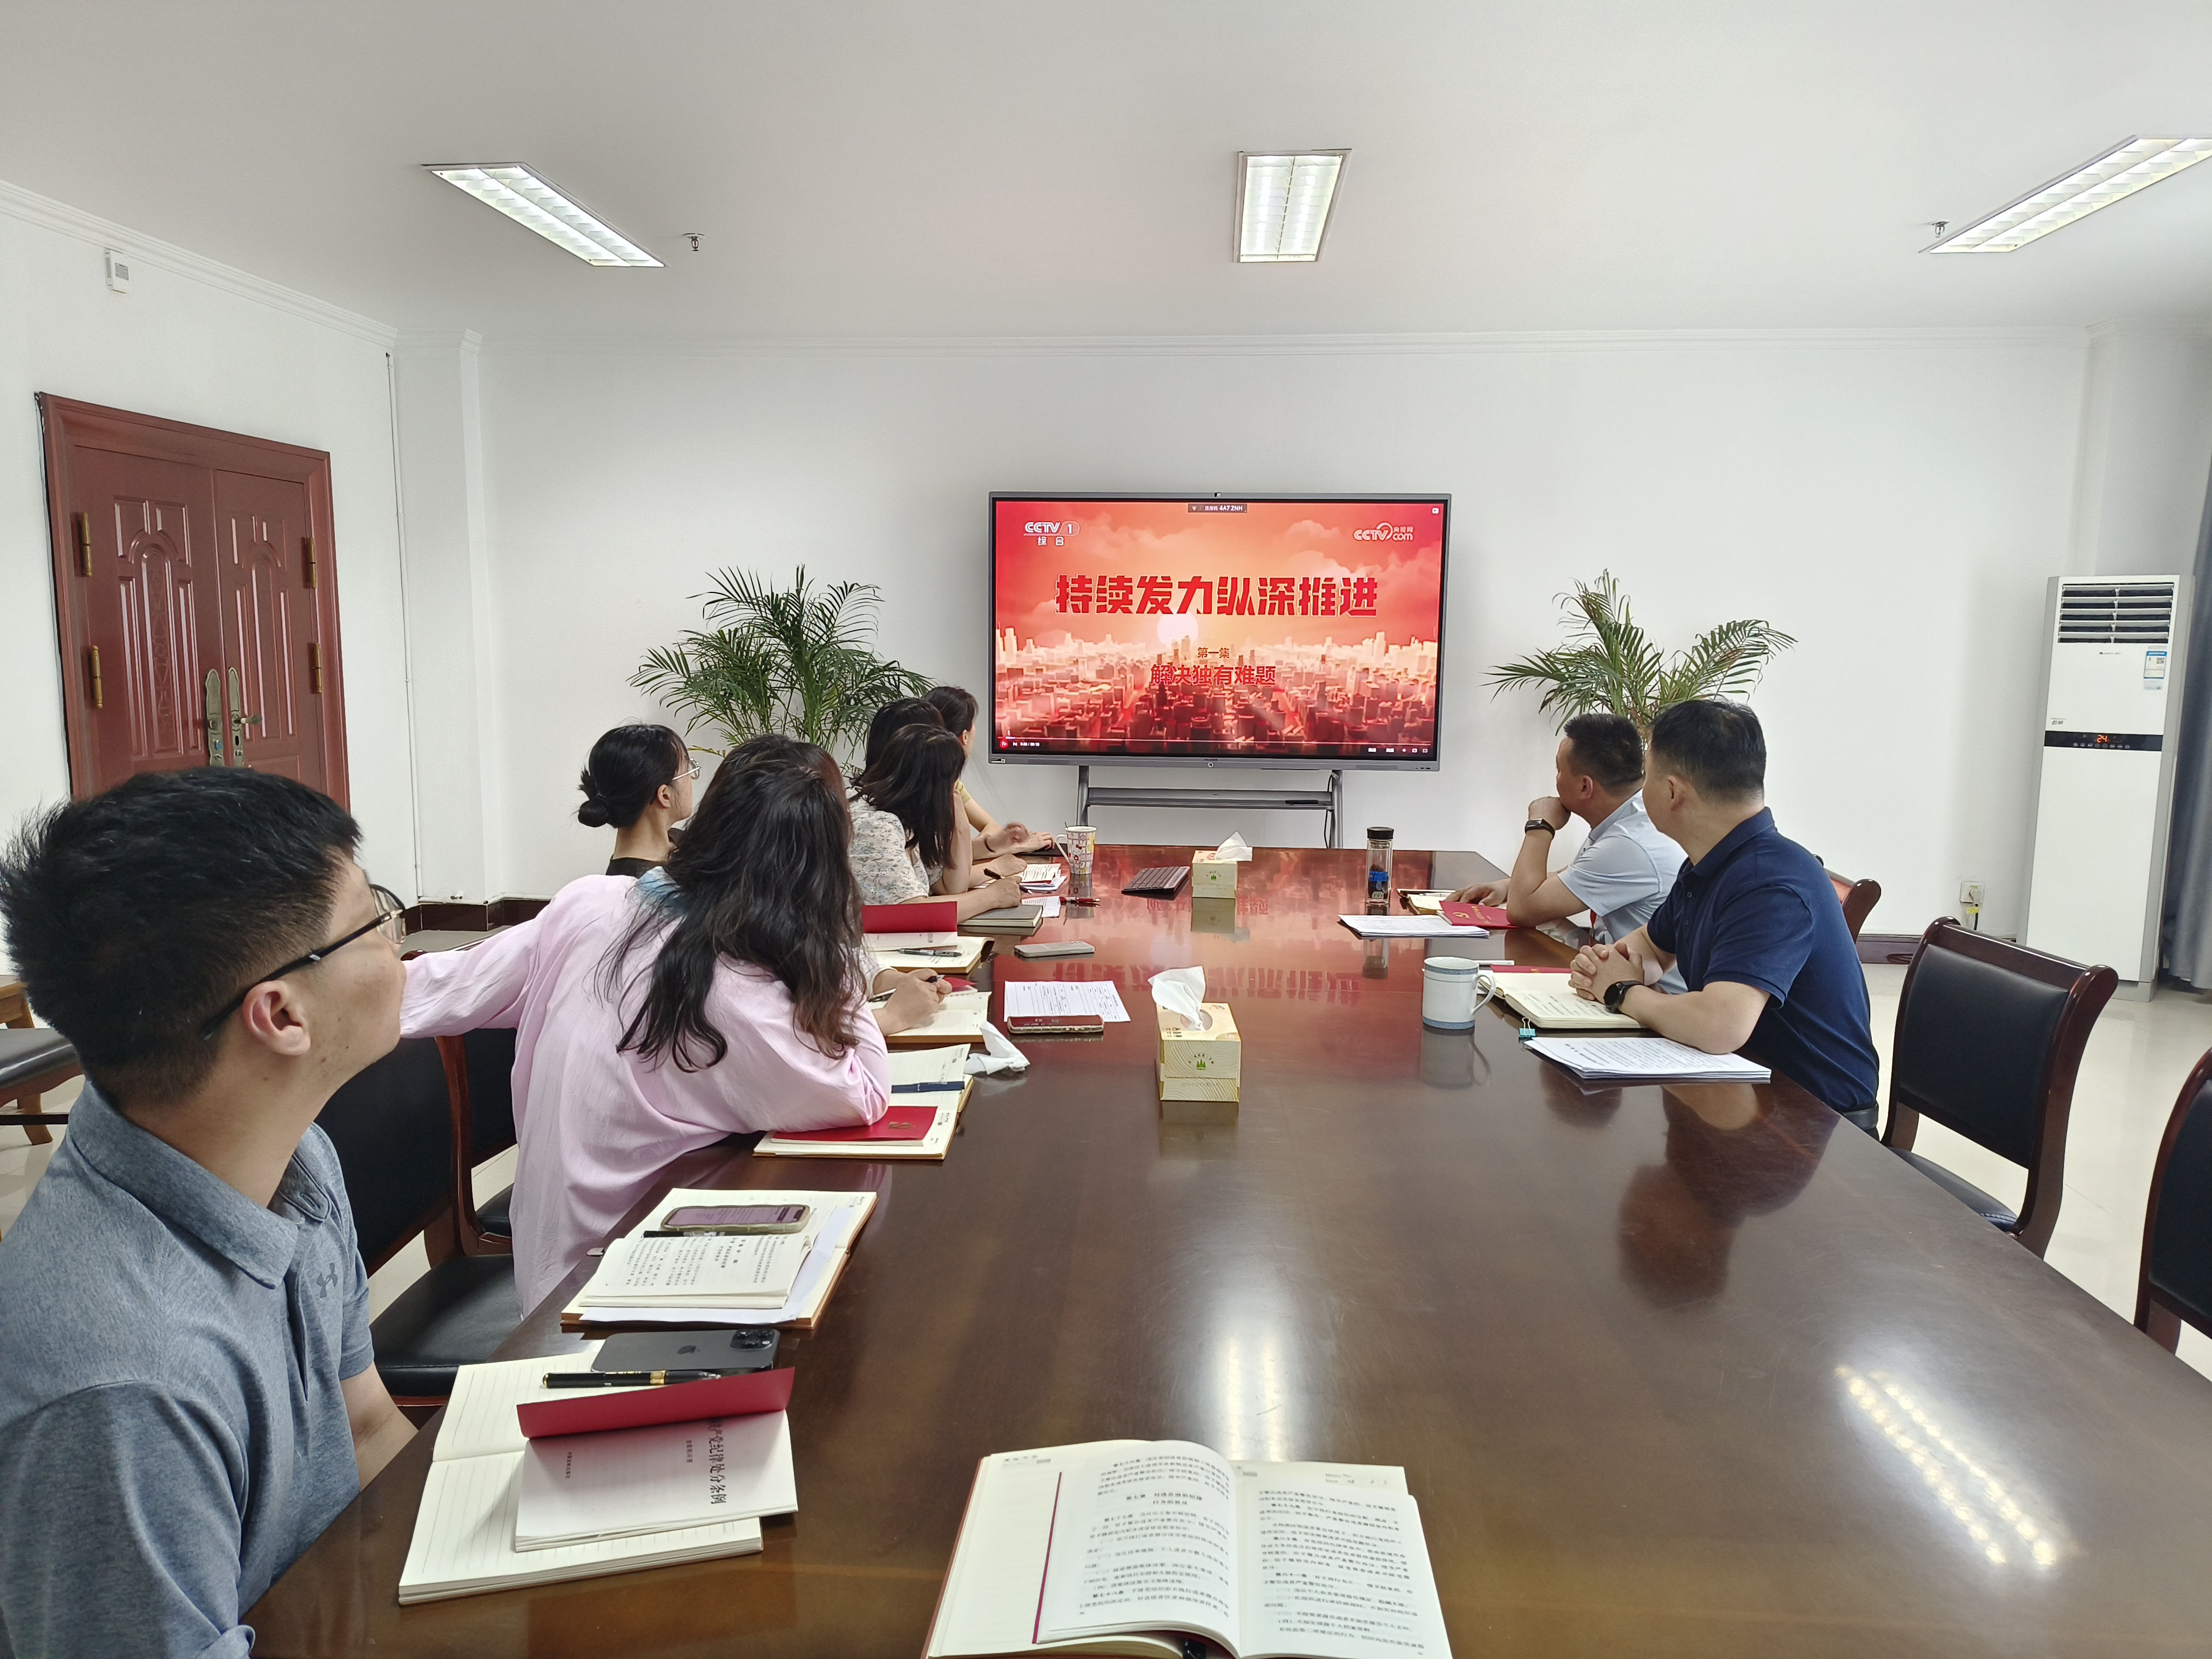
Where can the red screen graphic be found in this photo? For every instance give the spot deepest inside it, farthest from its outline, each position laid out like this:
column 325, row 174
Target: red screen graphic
column 1253, row 628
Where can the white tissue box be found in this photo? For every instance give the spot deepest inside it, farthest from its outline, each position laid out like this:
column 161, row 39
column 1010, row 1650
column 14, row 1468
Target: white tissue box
column 1213, row 876
column 1214, row 1055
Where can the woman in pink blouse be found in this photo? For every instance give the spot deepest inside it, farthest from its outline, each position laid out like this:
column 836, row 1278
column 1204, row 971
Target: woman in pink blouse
column 722, row 994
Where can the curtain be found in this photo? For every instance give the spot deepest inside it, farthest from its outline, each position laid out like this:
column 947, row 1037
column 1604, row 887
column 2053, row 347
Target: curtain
column 2186, row 933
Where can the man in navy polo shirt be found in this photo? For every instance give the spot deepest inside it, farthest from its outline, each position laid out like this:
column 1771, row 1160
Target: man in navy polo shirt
column 1753, row 922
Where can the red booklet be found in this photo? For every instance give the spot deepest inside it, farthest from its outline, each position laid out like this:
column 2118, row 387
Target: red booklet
column 926, row 916
column 746, row 1394
column 899, row 1123
column 1476, row 915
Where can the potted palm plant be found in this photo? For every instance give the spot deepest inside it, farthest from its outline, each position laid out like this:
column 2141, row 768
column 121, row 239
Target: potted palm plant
column 1609, row 663
column 799, row 660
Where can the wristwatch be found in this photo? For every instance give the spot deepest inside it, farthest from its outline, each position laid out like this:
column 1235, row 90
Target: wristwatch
column 1617, row 992
column 1545, row 824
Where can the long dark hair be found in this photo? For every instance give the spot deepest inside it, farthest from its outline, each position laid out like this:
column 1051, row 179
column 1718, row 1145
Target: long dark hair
column 955, row 706
column 912, row 780
column 762, row 876
column 628, row 766
column 896, row 716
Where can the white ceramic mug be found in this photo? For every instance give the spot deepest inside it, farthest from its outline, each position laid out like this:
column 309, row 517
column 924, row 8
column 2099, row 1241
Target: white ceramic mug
column 1078, row 844
column 1449, row 994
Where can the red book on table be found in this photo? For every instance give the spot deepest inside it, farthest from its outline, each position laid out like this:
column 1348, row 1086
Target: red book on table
column 746, row 1394
column 899, row 1123
column 928, row 916
column 1476, row 915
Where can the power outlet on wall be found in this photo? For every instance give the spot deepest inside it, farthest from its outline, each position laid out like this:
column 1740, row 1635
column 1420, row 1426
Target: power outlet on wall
column 1970, row 904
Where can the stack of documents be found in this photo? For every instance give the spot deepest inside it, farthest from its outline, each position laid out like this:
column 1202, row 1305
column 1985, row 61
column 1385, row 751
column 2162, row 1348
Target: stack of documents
column 829, row 1234
column 699, row 1270
column 1043, row 878
column 1645, row 1059
column 464, row 1530
column 667, row 1480
column 1030, row 997
column 1410, row 927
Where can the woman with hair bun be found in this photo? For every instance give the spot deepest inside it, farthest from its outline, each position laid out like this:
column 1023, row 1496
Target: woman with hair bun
column 639, row 780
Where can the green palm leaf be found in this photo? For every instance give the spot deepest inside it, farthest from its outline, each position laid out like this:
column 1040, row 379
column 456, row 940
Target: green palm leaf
column 797, row 660
column 1610, row 664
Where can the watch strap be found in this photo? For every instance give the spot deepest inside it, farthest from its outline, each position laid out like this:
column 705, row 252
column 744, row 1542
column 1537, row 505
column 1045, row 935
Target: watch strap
column 1617, row 992
column 1539, row 824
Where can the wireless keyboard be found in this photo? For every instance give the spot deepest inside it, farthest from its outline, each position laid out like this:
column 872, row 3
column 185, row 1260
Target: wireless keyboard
column 1161, row 881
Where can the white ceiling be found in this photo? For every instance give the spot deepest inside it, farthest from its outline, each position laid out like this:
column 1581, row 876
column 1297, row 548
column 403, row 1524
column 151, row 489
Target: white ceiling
column 1035, row 167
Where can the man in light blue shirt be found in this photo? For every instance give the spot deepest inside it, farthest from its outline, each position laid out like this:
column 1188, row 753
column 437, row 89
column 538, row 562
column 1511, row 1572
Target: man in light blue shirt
column 1624, row 869
column 187, row 1390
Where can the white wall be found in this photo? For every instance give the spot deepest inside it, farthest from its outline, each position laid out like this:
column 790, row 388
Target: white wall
column 1896, row 502
column 193, row 341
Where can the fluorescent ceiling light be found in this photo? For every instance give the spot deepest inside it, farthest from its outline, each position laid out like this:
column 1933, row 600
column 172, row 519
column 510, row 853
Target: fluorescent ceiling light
column 1283, row 201
column 2119, row 171
column 525, row 197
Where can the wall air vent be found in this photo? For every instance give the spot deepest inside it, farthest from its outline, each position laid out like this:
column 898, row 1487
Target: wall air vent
column 2115, row 613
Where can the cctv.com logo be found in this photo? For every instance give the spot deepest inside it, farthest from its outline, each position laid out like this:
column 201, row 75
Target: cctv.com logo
column 1385, row 532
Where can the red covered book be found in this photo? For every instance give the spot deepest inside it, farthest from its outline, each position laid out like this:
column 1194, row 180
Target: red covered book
column 745, row 1395
column 1476, row 915
column 899, row 1123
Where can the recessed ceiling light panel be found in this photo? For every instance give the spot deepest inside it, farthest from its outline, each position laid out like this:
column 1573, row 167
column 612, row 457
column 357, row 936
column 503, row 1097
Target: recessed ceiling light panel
column 1282, row 200
column 525, row 197
column 2120, row 172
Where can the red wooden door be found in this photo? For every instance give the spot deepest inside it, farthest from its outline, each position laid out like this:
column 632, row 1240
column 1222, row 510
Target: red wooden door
column 144, row 565
column 195, row 593
column 269, row 568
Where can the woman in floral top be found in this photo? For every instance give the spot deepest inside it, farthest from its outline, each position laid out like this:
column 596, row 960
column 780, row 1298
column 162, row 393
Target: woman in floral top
column 907, row 836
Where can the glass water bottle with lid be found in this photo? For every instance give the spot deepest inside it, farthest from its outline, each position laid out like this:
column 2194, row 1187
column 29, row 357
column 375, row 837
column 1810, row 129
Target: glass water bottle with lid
column 1378, row 869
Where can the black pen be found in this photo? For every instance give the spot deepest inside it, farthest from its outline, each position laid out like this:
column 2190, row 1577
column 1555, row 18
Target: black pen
column 622, row 1379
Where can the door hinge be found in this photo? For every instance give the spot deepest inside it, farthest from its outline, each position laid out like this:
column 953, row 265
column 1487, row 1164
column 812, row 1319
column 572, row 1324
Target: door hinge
column 315, row 668
column 307, row 560
column 83, row 542
column 99, row 692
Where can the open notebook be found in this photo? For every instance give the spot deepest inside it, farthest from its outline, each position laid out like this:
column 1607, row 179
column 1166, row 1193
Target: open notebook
column 959, row 1019
column 1132, row 1547
column 464, row 1541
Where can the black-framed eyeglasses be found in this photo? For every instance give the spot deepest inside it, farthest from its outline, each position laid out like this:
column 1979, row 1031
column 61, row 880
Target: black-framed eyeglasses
column 389, row 922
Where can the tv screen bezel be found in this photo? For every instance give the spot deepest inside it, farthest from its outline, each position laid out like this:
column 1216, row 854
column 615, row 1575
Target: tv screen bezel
column 1434, row 763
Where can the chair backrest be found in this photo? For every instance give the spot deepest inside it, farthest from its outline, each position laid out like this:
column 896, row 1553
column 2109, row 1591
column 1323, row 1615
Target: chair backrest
column 479, row 1067
column 2175, row 1280
column 1988, row 1042
column 393, row 1127
column 1858, row 899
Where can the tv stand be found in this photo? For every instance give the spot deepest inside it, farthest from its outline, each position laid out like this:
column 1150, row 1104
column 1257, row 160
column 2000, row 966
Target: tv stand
column 1329, row 802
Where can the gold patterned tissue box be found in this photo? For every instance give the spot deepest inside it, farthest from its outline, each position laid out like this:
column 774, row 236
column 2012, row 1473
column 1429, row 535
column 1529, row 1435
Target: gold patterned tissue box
column 1213, row 876
column 1201, row 1066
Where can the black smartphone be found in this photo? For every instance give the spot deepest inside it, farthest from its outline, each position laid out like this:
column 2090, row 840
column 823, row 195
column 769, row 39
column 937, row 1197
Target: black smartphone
column 736, row 1218
column 748, row 1348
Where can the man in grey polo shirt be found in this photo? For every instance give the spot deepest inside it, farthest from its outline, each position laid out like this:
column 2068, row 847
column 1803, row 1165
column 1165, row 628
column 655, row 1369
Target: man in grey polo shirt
column 1623, row 870
column 186, row 1391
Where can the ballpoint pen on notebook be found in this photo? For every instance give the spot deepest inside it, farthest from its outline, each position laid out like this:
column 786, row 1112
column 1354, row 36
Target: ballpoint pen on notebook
column 623, row 1379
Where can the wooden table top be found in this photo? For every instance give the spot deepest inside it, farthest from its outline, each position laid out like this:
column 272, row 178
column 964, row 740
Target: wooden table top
column 1697, row 1370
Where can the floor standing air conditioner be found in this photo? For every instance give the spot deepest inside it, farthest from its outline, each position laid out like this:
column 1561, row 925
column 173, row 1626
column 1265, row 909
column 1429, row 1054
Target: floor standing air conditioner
column 2104, row 795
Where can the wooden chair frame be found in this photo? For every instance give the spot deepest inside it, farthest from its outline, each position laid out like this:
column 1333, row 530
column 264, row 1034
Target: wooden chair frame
column 2087, row 991
column 2156, row 1317
column 22, row 1105
column 468, row 1228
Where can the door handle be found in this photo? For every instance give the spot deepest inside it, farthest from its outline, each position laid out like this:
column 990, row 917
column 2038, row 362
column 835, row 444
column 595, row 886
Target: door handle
column 239, row 721
column 212, row 705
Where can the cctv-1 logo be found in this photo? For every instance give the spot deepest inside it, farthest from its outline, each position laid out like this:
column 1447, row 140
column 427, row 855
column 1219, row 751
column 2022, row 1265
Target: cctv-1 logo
column 1051, row 531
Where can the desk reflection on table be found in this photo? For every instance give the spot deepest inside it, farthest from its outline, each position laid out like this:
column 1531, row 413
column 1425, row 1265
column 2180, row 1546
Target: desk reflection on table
column 1640, row 1352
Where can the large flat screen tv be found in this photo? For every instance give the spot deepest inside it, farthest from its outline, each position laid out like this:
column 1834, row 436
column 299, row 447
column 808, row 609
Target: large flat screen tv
column 1284, row 631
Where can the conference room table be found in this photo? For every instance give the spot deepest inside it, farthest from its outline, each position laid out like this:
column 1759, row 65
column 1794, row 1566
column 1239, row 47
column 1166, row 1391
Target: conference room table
column 1698, row 1370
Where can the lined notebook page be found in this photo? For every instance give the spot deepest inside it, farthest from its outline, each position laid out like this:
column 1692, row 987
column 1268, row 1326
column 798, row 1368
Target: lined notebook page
column 464, row 1533
column 480, row 1420
column 913, row 1067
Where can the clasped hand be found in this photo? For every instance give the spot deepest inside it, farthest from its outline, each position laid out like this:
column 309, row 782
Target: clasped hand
column 1600, row 965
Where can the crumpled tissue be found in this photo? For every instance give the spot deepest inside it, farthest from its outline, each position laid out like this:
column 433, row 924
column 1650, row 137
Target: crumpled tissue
column 1235, row 848
column 1181, row 991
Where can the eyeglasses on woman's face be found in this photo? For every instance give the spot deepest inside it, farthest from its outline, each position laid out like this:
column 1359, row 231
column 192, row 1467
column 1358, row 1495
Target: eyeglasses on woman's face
column 390, row 921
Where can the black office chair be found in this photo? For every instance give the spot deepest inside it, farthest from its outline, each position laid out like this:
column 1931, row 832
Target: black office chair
column 480, row 1090
column 33, row 1058
column 2174, row 1282
column 1988, row 1039
column 393, row 1126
